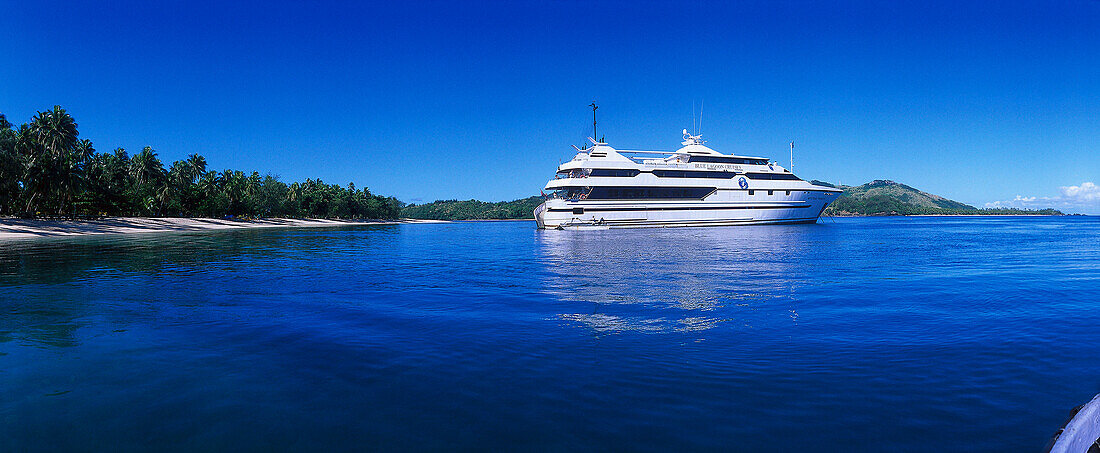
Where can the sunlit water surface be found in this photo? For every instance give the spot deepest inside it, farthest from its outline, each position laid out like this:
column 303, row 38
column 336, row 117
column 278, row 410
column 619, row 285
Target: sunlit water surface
column 935, row 334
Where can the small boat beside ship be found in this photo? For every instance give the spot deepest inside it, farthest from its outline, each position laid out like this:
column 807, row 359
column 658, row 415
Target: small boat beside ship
column 603, row 187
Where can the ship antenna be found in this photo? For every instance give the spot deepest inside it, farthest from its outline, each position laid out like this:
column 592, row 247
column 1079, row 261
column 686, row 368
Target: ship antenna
column 792, row 157
column 694, row 121
column 594, row 107
column 700, row 131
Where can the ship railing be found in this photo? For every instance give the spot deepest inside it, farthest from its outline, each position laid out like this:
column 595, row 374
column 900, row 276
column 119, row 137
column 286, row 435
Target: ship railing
column 574, row 197
column 640, row 157
column 571, row 175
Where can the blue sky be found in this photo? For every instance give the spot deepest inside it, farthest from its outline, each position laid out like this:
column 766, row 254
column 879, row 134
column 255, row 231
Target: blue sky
column 982, row 102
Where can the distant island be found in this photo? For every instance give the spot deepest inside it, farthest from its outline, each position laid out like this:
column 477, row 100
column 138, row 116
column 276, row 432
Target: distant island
column 523, row 208
column 885, row 198
column 876, row 198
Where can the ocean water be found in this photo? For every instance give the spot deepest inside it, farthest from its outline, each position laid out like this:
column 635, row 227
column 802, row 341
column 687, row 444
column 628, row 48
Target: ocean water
column 874, row 334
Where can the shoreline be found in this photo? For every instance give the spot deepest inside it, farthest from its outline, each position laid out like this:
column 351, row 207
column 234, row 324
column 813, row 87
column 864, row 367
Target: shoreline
column 953, row 215
column 490, row 220
column 12, row 228
column 15, row 228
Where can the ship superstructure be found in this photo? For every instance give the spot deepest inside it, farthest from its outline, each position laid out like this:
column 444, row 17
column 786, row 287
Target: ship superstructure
column 603, row 187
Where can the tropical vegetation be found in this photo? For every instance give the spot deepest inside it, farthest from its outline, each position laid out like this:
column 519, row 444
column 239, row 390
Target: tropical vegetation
column 46, row 170
column 523, row 208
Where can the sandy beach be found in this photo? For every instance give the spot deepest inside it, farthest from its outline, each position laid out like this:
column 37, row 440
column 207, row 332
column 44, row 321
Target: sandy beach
column 25, row 229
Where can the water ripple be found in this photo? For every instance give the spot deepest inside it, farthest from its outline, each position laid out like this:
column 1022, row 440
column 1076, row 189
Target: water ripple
column 863, row 334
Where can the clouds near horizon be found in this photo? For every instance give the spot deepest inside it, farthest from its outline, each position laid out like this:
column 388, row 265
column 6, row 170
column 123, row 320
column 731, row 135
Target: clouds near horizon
column 1081, row 199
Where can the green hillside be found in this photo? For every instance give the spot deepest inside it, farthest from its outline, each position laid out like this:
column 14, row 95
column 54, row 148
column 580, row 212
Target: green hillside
column 523, row 208
column 884, row 197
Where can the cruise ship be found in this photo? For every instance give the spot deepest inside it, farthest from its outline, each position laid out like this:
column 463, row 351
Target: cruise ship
column 603, row 187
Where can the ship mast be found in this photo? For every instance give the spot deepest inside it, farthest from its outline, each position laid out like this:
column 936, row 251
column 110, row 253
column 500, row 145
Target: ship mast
column 594, row 107
column 792, row 157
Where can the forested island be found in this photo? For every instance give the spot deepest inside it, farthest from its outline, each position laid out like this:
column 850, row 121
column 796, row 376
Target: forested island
column 523, row 208
column 876, row 198
column 885, row 198
column 47, row 171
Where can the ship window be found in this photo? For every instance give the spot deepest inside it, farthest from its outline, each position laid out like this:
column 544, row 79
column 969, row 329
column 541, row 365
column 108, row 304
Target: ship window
column 614, row 172
column 578, row 211
column 783, row 176
column 769, row 192
column 752, row 192
column 728, row 160
column 694, row 174
column 634, row 193
column 574, row 173
column 788, row 192
column 569, row 193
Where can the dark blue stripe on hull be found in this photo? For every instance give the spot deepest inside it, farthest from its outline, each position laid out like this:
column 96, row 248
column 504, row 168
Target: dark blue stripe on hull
column 685, row 208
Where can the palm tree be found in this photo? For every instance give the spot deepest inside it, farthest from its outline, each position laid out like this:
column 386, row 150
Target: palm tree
column 72, row 176
column 181, row 191
column 149, row 175
column 55, row 131
column 117, row 181
column 11, row 167
column 197, row 165
column 252, row 193
column 293, row 194
column 209, row 183
column 178, row 174
column 209, row 187
column 46, row 144
column 234, row 185
column 146, row 168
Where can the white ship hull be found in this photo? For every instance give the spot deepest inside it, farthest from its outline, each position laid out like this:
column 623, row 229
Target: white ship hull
column 721, row 209
column 602, row 187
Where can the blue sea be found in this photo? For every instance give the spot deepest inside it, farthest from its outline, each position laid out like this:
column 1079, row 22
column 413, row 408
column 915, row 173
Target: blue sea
column 863, row 334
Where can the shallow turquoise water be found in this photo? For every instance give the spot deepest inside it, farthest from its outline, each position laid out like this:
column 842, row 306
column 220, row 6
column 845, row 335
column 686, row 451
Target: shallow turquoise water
column 930, row 334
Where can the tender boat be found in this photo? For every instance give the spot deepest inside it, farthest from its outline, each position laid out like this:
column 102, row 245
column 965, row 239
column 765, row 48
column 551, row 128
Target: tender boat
column 603, row 187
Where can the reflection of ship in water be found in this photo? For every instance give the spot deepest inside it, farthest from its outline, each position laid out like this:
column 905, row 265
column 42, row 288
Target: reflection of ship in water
column 668, row 281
